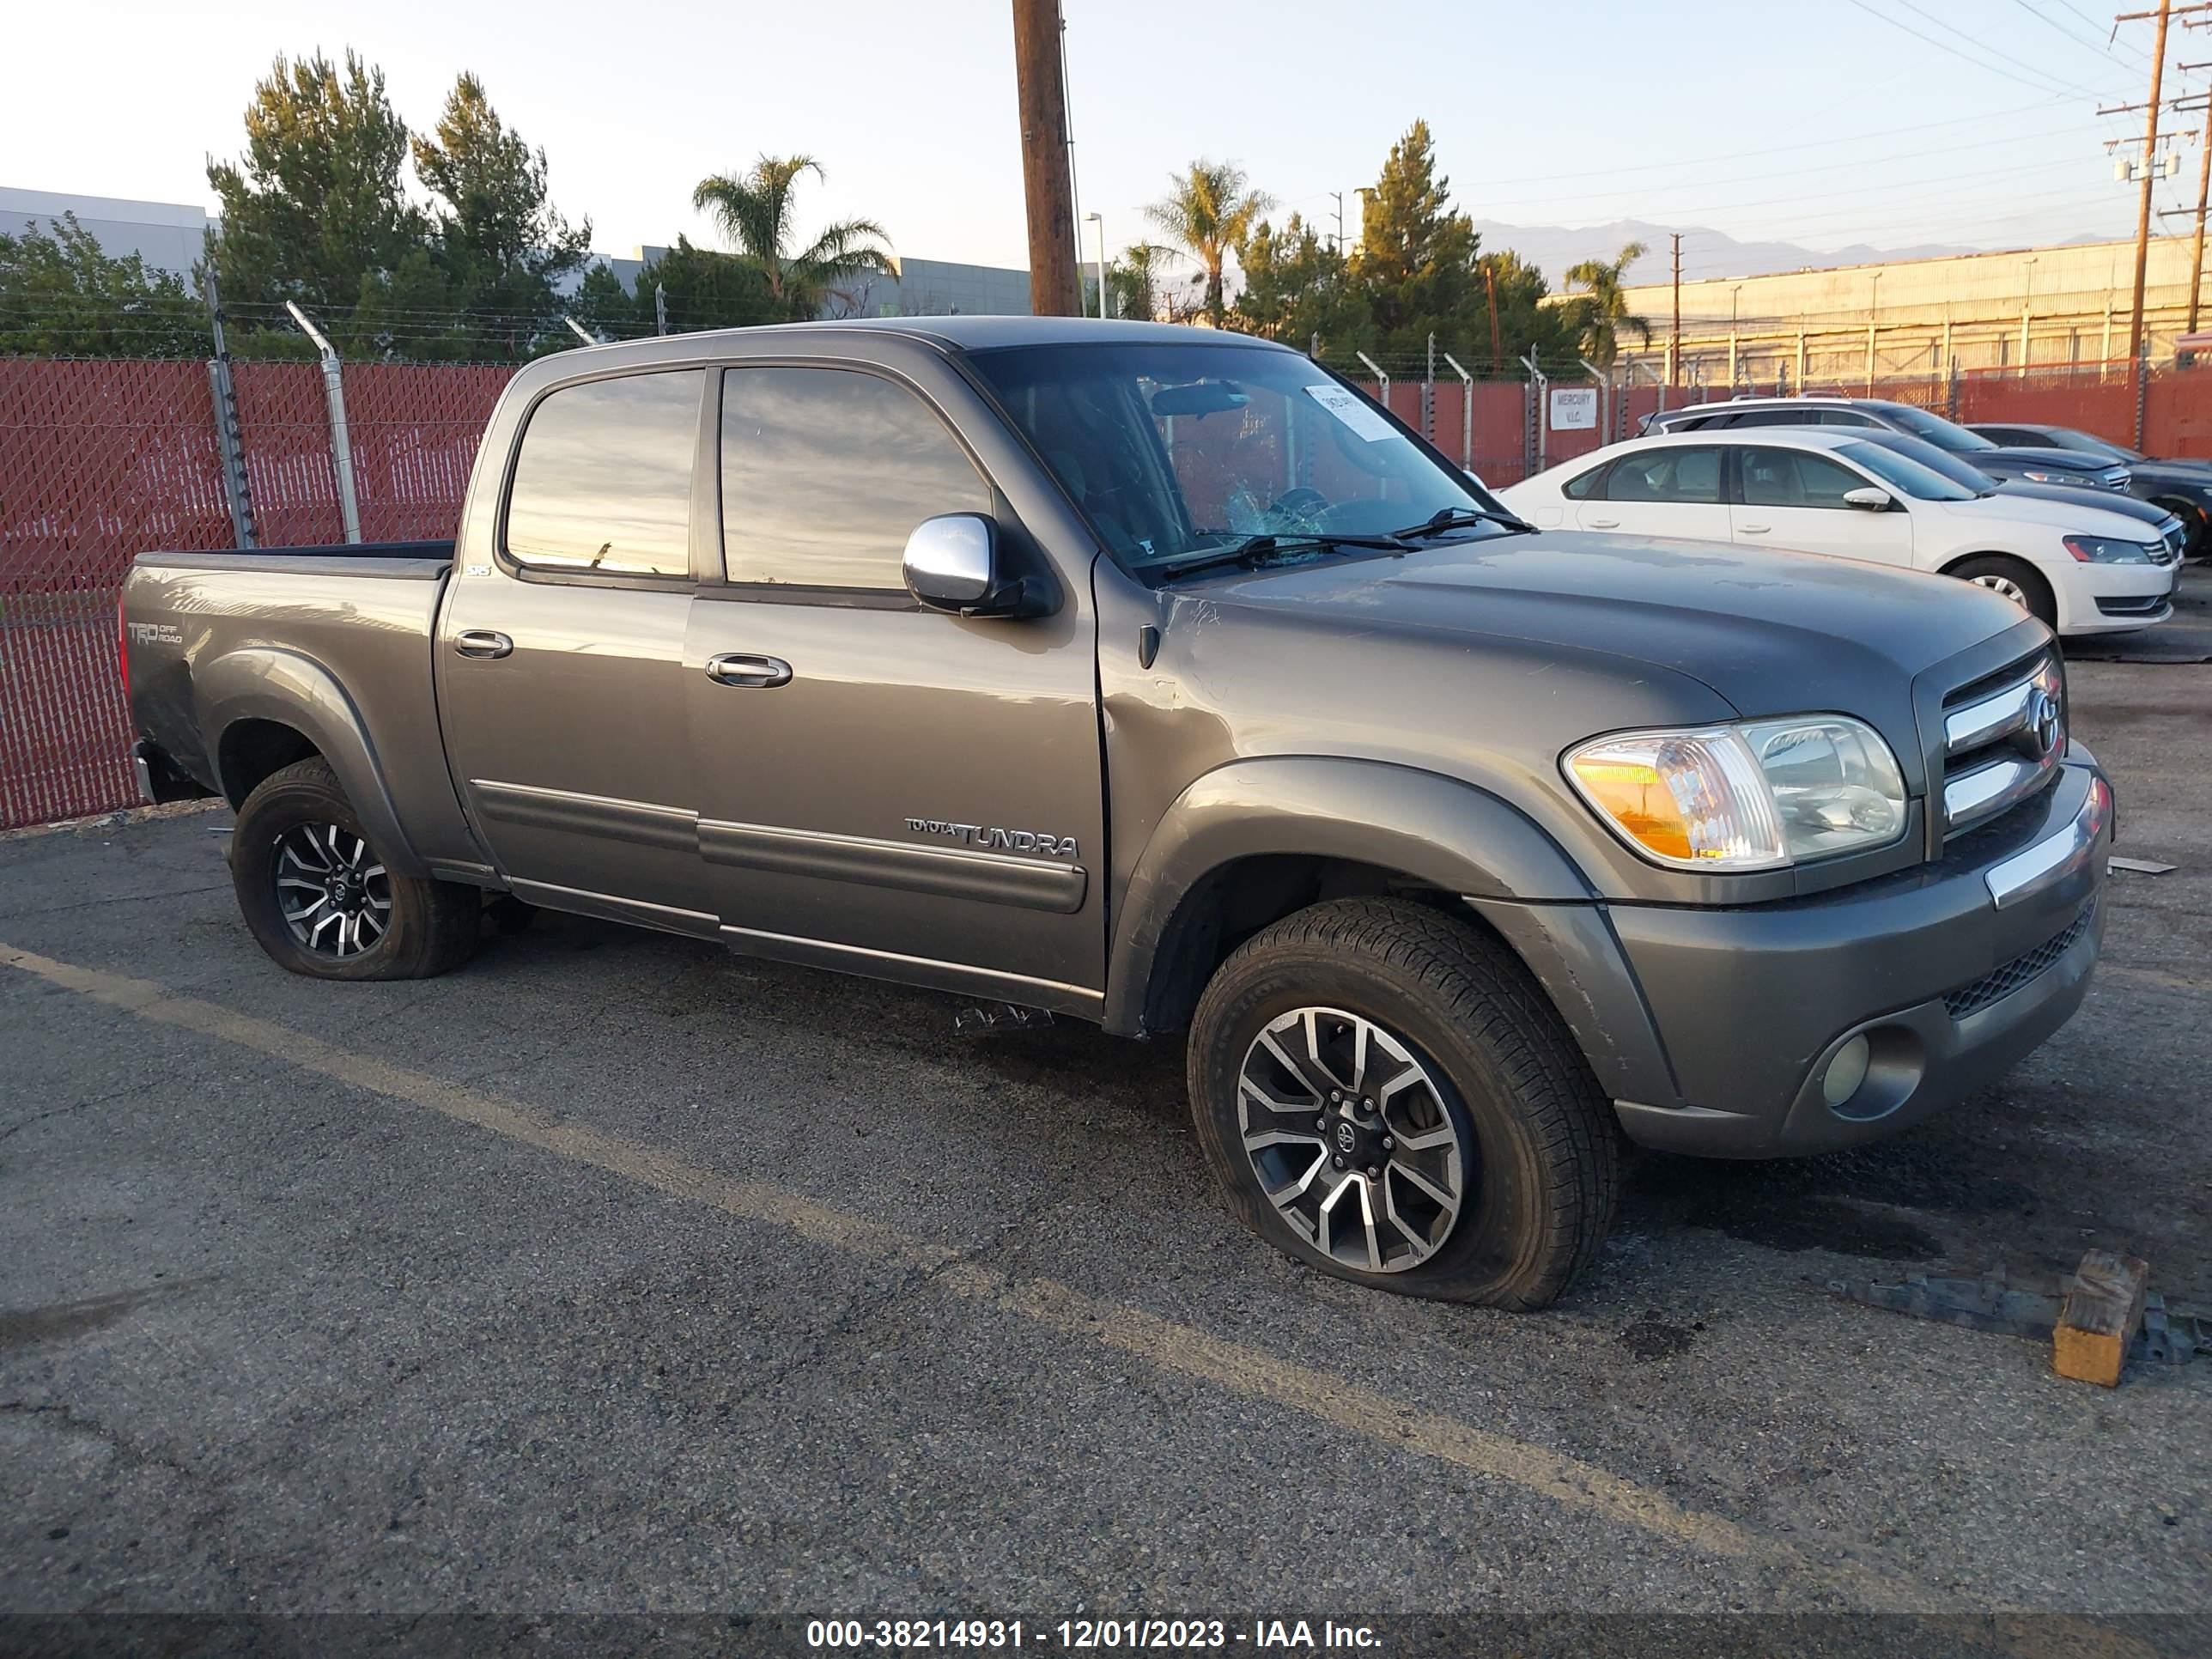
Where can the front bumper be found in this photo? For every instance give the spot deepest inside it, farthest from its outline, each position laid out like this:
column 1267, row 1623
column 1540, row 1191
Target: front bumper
column 1950, row 972
column 2109, row 598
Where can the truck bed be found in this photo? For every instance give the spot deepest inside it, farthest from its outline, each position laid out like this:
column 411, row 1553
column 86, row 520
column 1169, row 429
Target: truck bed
column 225, row 648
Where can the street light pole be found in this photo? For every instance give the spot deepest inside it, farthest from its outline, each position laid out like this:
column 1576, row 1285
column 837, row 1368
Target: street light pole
column 1104, row 310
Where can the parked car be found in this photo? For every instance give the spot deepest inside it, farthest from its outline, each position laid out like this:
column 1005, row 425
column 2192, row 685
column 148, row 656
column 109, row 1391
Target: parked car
column 2158, row 522
column 2049, row 465
column 1159, row 679
column 2079, row 566
column 2183, row 487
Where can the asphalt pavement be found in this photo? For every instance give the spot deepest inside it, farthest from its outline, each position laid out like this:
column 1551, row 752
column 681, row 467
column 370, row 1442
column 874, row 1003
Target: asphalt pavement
column 615, row 1275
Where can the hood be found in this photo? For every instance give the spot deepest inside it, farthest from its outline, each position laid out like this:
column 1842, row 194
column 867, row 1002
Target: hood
column 2020, row 457
column 2062, row 509
column 2111, row 501
column 1770, row 633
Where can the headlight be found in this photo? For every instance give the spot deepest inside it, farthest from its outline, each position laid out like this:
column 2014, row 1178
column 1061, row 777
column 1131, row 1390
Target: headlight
column 2074, row 479
column 1753, row 796
column 2109, row 550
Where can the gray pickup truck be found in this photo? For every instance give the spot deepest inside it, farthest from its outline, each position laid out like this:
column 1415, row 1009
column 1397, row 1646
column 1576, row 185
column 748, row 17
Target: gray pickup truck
column 1158, row 678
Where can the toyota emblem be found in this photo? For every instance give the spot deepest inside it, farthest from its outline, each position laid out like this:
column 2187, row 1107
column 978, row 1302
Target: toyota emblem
column 1347, row 1137
column 2042, row 725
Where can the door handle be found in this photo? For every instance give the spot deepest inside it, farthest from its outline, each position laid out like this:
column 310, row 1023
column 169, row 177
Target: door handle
column 740, row 668
column 1604, row 524
column 1754, row 529
column 481, row 642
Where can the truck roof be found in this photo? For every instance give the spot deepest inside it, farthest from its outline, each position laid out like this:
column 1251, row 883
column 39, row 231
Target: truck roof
column 974, row 333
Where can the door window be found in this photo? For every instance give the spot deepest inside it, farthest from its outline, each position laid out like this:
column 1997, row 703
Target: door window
column 826, row 472
column 1790, row 478
column 1666, row 474
column 603, row 483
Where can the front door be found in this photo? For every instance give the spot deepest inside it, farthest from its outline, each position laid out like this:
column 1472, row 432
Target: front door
column 1793, row 499
column 885, row 788
column 561, row 674
column 1666, row 489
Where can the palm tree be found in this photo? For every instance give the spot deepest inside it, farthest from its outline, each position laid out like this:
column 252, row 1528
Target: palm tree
column 1134, row 281
column 1207, row 211
column 1605, row 308
column 754, row 210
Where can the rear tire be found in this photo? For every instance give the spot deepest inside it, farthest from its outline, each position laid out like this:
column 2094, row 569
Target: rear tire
column 1504, row 1114
column 317, row 897
column 2018, row 581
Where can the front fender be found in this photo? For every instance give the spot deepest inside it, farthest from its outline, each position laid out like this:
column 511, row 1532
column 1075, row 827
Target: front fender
column 269, row 682
column 1456, row 837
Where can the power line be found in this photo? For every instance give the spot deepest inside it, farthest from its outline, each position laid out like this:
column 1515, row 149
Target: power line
column 2044, row 86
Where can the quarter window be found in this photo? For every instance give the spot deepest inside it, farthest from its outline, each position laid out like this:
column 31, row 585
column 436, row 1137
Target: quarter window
column 603, row 483
column 826, row 472
column 1666, row 474
column 1789, row 477
column 1587, row 486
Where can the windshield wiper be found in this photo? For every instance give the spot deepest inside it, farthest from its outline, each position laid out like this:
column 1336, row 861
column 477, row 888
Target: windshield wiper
column 1253, row 550
column 1458, row 517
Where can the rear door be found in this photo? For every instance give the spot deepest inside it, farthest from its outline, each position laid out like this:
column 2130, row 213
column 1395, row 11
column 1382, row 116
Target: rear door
column 1668, row 489
column 883, row 788
column 561, row 681
column 1793, row 499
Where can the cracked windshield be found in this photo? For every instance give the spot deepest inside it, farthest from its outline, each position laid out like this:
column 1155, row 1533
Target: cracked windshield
column 1175, row 452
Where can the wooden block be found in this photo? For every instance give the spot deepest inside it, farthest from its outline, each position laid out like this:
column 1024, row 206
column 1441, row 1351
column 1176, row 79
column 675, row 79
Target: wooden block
column 2102, row 1311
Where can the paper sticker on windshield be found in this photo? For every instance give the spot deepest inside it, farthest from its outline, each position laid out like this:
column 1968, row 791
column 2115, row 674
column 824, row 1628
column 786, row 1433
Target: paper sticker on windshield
column 1352, row 412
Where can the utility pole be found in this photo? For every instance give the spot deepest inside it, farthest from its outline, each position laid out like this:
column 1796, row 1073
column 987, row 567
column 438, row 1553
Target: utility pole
column 1041, row 95
column 2203, row 199
column 1675, row 343
column 1490, row 287
column 2163, row 16
column 1339, row 219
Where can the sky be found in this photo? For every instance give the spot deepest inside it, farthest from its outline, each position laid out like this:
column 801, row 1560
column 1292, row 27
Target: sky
column 1822, row 122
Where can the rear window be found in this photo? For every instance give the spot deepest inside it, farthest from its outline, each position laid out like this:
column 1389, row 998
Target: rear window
column 603, row 483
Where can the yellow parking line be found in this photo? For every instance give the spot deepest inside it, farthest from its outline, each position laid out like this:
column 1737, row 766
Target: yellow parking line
column 1235, row 1367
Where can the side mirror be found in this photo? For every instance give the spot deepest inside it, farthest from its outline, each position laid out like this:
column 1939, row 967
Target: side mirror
column 1868, row 499
column 951, row 564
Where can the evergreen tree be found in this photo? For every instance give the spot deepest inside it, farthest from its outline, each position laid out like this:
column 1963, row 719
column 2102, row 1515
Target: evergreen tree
column 313, row 211
column 1416, row 257
column 499, row 245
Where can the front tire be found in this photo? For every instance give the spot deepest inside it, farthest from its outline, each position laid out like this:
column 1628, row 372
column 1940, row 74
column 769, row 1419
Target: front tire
column 318, row 898
column 2016, row 580
column 1386, row 1094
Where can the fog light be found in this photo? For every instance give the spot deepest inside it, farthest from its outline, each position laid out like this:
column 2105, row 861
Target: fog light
column 1845, row 1071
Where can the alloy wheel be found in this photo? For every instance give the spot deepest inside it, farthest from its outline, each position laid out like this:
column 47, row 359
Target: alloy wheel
column 2004, row 585
column 334, row 896
column 1348, row 1132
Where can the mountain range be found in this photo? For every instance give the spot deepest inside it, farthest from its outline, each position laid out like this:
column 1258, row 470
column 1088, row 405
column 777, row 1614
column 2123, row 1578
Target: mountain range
column 1706, row 253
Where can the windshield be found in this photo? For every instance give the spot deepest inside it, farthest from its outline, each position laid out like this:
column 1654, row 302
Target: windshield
column 1944, row 434
column 1943, row 463
column 1173, row 450
column 1903, row 472
column 2067, row 438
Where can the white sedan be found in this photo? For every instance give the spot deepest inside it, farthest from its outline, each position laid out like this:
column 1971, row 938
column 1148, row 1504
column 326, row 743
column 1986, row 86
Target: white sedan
column 2081, row 568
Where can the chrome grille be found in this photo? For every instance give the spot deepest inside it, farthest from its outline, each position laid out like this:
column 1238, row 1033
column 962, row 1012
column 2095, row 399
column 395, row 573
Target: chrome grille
column 2021, row 972
column 2003, row 738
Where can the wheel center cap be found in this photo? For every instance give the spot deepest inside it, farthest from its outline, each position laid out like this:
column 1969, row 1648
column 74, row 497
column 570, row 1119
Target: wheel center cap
column 1347, row 1136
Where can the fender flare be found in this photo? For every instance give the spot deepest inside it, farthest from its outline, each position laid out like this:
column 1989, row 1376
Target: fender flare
column 1454, row 836
column 270, row 682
